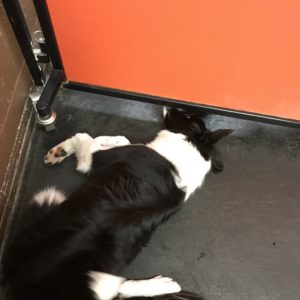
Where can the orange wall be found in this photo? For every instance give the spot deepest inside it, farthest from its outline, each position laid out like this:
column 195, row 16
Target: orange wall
column 235, row 54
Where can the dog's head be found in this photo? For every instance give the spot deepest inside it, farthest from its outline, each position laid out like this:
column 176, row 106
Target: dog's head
column 193, row 127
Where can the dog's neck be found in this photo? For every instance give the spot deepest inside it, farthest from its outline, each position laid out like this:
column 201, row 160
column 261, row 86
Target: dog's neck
column 188, row 161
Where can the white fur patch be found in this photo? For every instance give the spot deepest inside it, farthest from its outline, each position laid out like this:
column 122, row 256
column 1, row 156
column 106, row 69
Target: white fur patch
column 149, row 287
column 190, row 164
column 107, row 142
column 49, row 196
column 105, row 286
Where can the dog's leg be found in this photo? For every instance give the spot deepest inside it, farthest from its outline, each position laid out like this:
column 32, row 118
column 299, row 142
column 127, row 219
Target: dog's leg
column 83, row 145
column 66, row 148
column 107, row 286
column 86, row 146
column 60, row 152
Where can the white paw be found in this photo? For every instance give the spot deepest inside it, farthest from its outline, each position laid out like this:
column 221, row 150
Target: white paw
column 55, row 155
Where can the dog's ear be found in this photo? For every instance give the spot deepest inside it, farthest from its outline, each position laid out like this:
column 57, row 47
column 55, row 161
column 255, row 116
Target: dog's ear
column 215, row 136
column 217, row 163
column 216, row 159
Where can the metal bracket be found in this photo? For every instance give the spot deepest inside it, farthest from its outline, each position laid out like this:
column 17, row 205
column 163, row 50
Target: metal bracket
column 40, row 49
column 41, row 55
column 42, row 99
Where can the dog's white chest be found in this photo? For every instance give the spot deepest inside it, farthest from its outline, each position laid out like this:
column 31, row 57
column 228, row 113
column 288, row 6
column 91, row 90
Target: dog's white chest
column 190, row 164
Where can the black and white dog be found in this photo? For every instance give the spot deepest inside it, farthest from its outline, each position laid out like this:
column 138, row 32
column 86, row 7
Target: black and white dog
column 75, row 247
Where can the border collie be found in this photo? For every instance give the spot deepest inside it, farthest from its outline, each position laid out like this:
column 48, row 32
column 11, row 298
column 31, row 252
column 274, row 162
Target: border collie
column 75, row 246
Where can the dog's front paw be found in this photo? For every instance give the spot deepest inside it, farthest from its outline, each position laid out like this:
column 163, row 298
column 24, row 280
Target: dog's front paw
column 55, row 155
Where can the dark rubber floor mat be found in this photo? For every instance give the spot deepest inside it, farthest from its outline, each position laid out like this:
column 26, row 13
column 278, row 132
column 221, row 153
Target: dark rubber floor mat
column 237, row 238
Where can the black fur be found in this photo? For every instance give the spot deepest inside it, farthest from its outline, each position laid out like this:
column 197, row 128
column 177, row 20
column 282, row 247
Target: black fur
column 102, row 225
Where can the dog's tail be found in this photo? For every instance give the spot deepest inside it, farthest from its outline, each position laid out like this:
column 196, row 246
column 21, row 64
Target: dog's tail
column 183, row 295
column 49, row 196
column 41, row 204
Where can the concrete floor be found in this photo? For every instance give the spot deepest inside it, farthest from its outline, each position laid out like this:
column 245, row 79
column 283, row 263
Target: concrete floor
column 238, row 238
